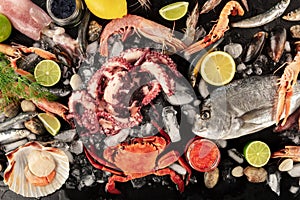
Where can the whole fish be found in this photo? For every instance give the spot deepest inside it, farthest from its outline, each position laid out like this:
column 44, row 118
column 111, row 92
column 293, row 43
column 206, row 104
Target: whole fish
column 264, row 18
column 242, row 107
column 277, row 42
column 22, row 117
column 293, row 15
column 13, row 135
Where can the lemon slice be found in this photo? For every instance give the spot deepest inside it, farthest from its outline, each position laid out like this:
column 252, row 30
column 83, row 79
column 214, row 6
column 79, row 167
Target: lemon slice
column 174, row 11
column 47, row 73
column 5, row 28
column 257, row 153
column 107, row 9
column 50, row 122
column 217, row 68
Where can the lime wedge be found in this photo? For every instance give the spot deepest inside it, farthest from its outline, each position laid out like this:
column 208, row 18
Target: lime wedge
column 217, row 68
column 50, row 122
column 47, row 73
column 257, row 153
column 174, row 11
column 5, row 28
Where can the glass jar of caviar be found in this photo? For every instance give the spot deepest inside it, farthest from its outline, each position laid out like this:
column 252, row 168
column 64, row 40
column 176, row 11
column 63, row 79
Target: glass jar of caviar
column 65, row 12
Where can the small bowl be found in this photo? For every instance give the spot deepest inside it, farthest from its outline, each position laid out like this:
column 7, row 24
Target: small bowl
column 203, row 155
column 73, row 20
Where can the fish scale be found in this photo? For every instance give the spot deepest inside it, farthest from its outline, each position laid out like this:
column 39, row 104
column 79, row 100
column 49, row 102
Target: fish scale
column 242, row 107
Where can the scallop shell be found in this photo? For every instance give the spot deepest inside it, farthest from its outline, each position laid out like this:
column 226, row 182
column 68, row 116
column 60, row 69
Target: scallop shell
column 14, row 174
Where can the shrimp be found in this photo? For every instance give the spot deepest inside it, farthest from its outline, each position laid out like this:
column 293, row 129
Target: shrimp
column 190, row 33
column 218, row 30
column 285, row 90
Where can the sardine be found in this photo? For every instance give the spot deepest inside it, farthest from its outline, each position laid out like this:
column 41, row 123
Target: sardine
column 277, row 42
column 255, row 46
column 293, row 15
column 11, row 146
column 13, row 135
column 240, row 108
column 264, row 18
column 22, row 117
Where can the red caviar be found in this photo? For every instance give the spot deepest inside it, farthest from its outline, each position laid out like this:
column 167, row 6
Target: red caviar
column 203, row 155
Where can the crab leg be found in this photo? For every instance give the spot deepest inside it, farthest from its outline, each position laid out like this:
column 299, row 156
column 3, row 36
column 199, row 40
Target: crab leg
column 98, row 165
column 292, row 152
column 187, row 167
column 110, row 186
column 174, row 177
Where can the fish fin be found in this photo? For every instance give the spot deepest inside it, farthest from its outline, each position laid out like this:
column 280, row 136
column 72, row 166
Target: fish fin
column 253, row 116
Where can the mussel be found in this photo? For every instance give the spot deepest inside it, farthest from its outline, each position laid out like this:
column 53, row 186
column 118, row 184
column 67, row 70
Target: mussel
column 255, row 46
column 277, row 42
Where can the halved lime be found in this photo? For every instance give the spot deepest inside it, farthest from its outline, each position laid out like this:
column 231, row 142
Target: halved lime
column 174, row 11
column 257, row 153
column 5, row 28
column 47, row 73
column 50, row 122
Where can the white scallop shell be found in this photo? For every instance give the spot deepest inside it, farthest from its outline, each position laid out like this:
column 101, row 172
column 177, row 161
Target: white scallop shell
column 14, row 175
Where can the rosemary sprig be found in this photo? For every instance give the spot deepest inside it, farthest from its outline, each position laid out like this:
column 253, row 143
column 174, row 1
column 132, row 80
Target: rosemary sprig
column 13, row 86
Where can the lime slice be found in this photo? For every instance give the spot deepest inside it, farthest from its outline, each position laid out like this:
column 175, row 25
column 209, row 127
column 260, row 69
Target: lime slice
column 51, row 123
column 5, row 28
column 174, row 11
column 47, row 73
column 107, row 9
column 217, row 68
column 257, row 153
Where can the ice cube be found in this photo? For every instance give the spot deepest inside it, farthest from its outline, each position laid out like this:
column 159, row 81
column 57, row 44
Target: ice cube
column 273, row 181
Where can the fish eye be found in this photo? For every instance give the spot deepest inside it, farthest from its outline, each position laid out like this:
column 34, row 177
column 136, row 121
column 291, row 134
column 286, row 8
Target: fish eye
column 205, row 114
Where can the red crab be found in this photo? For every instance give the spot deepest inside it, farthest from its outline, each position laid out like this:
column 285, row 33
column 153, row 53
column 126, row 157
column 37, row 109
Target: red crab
column 137, row 158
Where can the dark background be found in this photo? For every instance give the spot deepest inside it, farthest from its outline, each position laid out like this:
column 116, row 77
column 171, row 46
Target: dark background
column 235, row 189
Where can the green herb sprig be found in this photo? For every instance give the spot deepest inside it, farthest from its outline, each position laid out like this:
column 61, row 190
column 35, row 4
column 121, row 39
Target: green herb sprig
column 14, row 86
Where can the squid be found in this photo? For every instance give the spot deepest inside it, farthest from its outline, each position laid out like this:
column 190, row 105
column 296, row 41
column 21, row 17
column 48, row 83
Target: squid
column 33, row 21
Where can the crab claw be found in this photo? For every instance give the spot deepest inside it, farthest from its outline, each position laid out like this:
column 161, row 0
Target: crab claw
column 292, row 152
